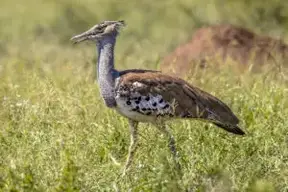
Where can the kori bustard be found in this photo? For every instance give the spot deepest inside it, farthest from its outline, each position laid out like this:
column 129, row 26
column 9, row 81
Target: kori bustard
column 150, row 96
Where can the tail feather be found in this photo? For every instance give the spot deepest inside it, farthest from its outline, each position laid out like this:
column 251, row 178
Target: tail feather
column 230, row 128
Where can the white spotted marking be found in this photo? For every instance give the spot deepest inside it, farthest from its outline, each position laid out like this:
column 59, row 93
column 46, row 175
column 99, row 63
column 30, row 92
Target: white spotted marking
column 137, row 84
column 143, row 108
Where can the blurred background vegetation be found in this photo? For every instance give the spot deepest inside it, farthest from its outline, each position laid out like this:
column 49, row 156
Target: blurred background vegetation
column 154, row 27
column 40, row 66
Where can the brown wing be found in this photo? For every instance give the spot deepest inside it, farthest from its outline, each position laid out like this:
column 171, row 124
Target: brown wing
column 188, row 101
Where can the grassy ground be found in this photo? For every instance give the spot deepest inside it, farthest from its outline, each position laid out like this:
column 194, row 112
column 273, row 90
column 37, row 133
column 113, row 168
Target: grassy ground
column 56, row 134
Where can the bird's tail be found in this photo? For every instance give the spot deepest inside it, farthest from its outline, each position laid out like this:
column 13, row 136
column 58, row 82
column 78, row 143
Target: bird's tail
column 230, row 128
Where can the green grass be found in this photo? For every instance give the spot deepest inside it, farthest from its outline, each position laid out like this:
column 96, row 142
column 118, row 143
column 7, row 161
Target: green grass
column 56, row 134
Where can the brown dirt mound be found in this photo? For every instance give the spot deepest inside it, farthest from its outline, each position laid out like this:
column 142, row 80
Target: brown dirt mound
column 224, row 41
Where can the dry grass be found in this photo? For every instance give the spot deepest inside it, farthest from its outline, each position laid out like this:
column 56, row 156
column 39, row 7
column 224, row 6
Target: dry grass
column 57, row 135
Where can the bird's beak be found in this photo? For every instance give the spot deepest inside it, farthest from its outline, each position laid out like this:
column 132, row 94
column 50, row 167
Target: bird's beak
column 87, row 35
column 79, row 38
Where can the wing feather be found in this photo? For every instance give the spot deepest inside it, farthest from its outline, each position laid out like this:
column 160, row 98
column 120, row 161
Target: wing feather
column 188, row 101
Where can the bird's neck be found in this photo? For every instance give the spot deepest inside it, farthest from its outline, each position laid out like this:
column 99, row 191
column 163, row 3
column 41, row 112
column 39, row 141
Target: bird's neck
column 106, row 72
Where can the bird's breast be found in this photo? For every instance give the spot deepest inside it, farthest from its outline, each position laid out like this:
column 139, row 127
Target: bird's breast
column 143, row 108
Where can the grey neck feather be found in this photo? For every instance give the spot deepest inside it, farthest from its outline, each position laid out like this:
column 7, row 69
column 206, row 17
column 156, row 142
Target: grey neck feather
column 105, row 69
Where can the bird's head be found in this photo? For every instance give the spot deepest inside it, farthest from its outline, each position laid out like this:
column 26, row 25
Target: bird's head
column 100, row 31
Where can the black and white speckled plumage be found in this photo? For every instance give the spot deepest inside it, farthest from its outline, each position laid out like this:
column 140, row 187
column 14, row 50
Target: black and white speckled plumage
column 144, row 107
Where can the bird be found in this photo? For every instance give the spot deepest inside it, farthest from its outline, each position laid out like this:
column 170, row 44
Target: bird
column 150, row 96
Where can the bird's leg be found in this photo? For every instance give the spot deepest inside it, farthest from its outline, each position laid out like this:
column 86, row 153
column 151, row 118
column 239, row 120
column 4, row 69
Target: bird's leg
column 133, row 125
column 164, row 129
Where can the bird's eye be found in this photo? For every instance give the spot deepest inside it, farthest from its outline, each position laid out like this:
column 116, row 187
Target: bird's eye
column 100, row 29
